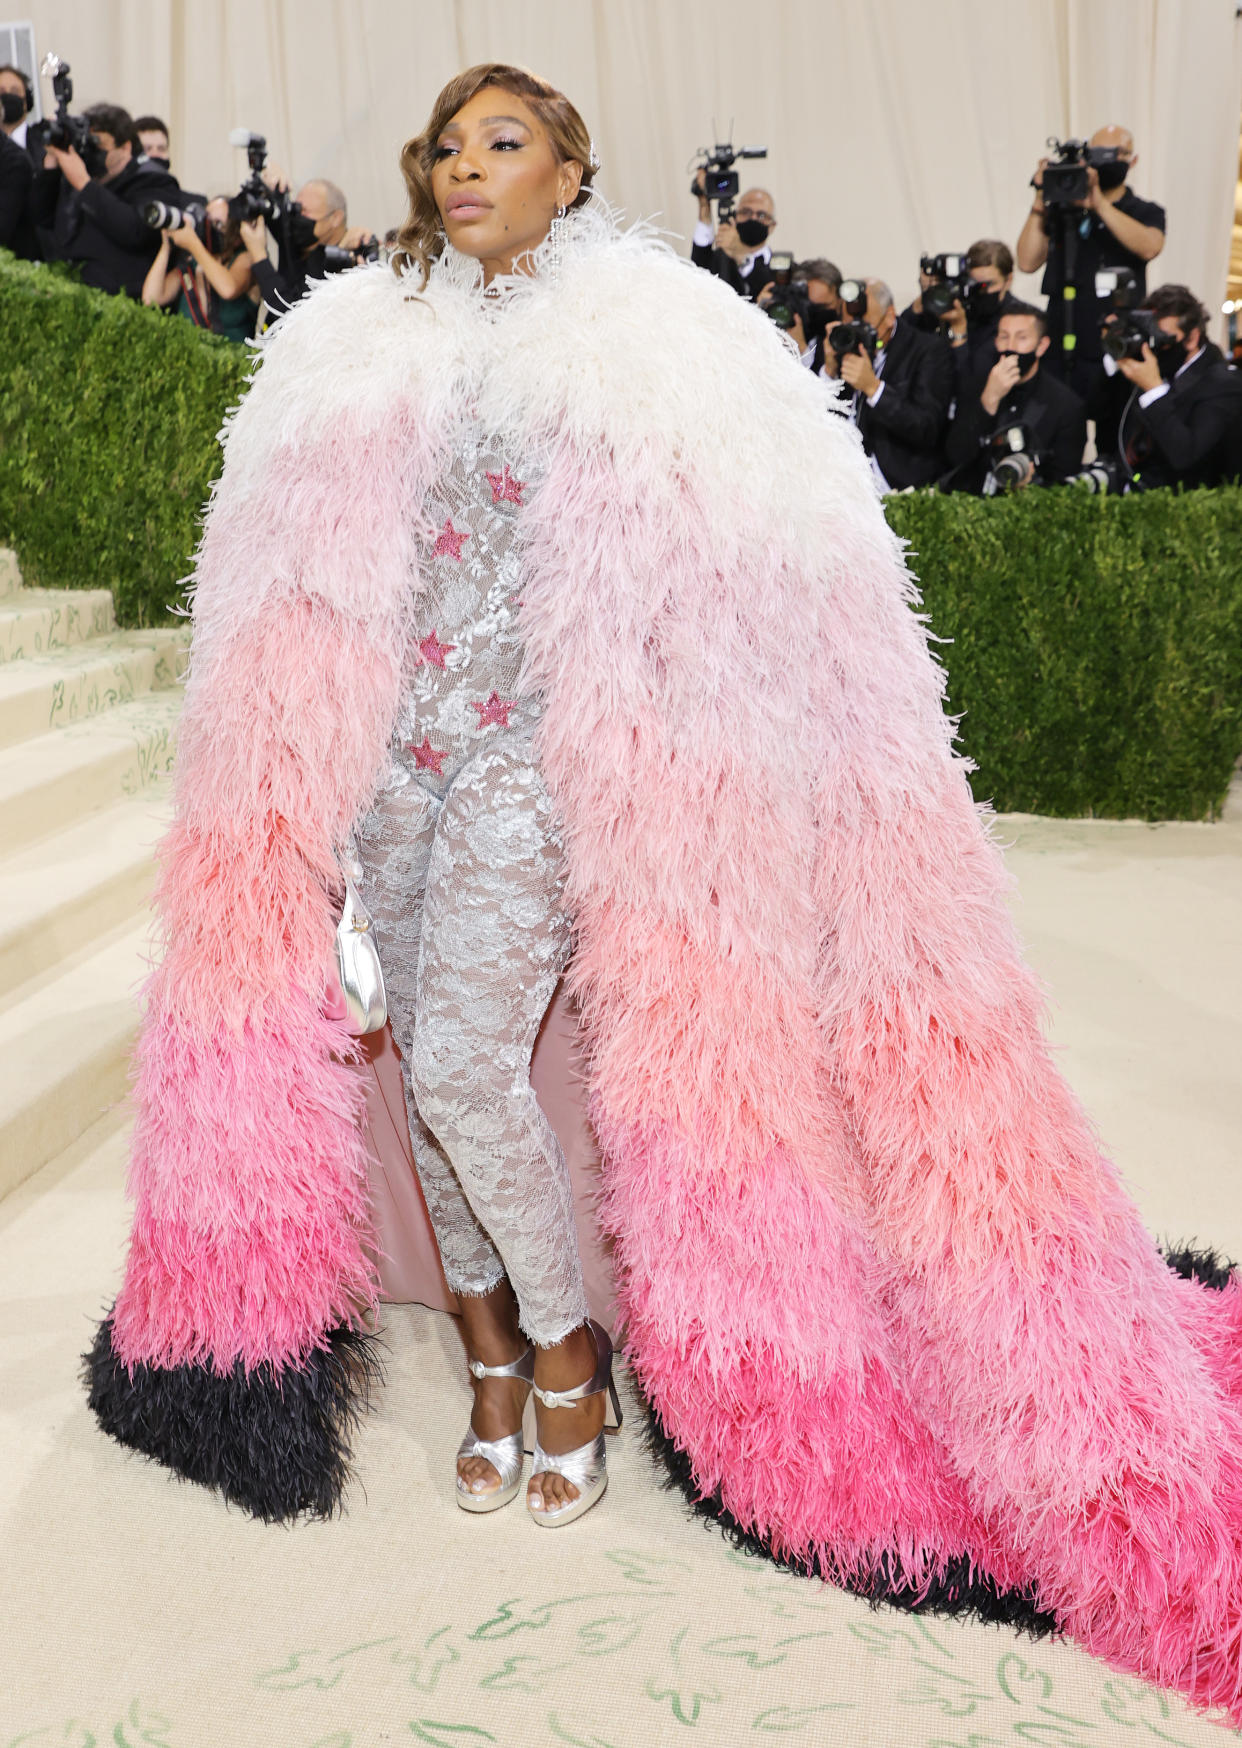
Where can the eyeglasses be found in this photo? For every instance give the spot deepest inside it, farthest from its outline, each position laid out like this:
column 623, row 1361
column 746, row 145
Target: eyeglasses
column 755, row 212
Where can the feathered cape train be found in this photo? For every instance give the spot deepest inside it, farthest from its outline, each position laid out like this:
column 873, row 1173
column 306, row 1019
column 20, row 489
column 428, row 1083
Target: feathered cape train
column 894, row 1313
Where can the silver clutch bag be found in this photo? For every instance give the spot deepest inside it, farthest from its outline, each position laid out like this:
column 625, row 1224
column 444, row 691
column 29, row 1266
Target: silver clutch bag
column 358, row 967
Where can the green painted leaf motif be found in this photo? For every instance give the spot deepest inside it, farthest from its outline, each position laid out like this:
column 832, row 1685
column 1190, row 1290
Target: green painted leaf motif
column 313, row 1668
column 973, row 1740
column 746, row 1647
column 787, row 1720
column 510, row 1618
column 954, row 1695
column 685, row 1704
column 449, row 1735
column 1125, row 1702
column 429, row 1664
column 342, row 1739
column 142, row 1727
column 564, row 1732
column 1055, row 1734
column 608, row 1633
column 1013, row 1675
column 642, row 1568
column 522, row 1674
column 883, row 1641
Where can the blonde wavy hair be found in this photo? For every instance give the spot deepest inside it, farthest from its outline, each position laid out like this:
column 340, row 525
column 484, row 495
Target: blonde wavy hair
column 421, row 238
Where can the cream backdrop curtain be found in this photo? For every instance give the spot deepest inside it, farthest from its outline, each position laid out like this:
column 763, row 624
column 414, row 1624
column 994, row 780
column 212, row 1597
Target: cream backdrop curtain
column 893, row 126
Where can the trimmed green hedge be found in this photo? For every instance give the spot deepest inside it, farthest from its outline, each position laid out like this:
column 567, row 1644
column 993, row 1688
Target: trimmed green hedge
column 108, row 422
column 1096, row 644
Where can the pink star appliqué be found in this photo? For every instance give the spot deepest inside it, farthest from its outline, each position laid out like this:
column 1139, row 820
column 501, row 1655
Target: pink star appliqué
column 495, row 710
column 426, row 758
column 433, row 651
column 450, row 540
column 505, row 487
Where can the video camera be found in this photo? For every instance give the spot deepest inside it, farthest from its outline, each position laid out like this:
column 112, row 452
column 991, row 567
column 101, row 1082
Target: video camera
column 254, row 199
column 720, row 179
column 68, row 133
column 1012, row 460
column 1066, row 182
column 1125, row 330
column 855, row 334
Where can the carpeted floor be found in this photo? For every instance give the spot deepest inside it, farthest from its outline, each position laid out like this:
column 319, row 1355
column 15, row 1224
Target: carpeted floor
column 139, row 1611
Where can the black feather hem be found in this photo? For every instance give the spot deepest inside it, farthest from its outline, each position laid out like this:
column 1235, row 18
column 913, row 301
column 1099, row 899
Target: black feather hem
column 960, row 1589
column 277, row 1443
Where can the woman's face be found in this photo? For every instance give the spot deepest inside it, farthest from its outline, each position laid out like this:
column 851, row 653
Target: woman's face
column 497, row 180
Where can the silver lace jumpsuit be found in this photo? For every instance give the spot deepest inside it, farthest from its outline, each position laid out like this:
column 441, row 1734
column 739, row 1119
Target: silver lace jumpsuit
column 462, row 870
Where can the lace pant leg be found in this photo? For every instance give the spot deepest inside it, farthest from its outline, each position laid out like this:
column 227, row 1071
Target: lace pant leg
column 494, row 941
column 393, row 846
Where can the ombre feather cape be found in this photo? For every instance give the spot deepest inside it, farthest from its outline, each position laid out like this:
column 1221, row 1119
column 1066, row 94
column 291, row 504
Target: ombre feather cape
column 895, row 1315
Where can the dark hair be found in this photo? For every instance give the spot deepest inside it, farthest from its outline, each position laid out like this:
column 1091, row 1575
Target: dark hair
column 150, row 124
column 1014, row 308
column 421, row 239
column 228, row 238
column 991, row 252
column 110, row 118
column 8, row 67
column 1181, row 302
column 819, row 267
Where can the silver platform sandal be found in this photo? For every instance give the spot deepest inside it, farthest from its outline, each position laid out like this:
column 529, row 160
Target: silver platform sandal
column 506, row 1455
column 586, row 1468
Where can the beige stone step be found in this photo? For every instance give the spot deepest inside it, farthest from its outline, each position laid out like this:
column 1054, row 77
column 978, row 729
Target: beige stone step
column 65, row 892
column 64, row 1052
column 34, row 621
column 71, row 772
column 62, row 686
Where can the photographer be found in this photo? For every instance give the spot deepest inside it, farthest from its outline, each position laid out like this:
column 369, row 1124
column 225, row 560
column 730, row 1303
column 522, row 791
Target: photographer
column 902, row 383
column 153, row 141
column 16, row 104
column 206, row 278
column 737, row 251
column 1183, row 423
column 1108, row 227
column 92, row 216
column 312, row 223
column 969, row 322
column 1022, row 417
column 17, row 230
column 815, row 283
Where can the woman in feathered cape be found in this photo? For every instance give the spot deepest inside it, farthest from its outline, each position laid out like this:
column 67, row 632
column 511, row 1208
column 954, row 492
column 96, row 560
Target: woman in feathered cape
column 893, row 1312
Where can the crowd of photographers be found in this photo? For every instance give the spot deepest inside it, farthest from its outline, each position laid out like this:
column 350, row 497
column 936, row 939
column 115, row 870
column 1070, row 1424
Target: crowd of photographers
column 97, row 190
column 971, row 389
column 966, row 389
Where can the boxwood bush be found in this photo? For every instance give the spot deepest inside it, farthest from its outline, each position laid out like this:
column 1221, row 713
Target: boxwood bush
column 1094, row 647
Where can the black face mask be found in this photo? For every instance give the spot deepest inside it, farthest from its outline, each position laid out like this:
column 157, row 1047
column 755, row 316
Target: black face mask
column 12, row 107
column 753, row 232
column 302, row 230
column 1171, row 357
column 1112, row 175
column 984, row 304
column 1026, row 361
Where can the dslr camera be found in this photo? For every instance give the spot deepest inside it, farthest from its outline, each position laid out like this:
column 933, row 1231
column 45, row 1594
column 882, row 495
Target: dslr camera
column 855, row 334
column 1065, row 179
column 1012, row 460
column 68, row 133
column 1125, row 330
column 950, row 283
column 720, row 179
column 162, row 217
column 790, row 301
column 254, row 199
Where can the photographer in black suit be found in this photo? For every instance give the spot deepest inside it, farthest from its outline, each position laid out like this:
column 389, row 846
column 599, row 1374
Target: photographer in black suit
column 737, row 251
column 17, row 230
column 1022, row 417
column 1109, row 227
column 92, row 215
column 902, row 383
column 1183, row 423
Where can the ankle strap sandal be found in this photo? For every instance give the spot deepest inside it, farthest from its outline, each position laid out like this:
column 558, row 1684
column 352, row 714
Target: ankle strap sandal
column 584, row 1468
column 506, row 1455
